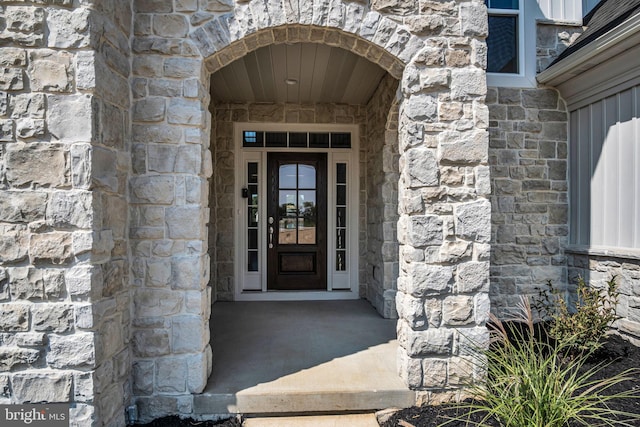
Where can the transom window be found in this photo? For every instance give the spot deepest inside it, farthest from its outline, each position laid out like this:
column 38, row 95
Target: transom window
column 259, row 139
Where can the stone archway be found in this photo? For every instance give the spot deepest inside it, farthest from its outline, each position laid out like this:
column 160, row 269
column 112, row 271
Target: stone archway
column 444, row 214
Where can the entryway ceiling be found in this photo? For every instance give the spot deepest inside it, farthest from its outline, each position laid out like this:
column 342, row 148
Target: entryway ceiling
column 297, row 73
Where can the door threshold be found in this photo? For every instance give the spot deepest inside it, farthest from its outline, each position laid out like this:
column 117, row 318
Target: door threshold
column 297, row 295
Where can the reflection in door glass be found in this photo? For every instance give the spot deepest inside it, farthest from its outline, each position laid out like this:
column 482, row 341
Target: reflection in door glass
column 341, row 215
column 252, row 216
column 287, row 176
column 287, row 232
column 306, row 176
column 297, row 211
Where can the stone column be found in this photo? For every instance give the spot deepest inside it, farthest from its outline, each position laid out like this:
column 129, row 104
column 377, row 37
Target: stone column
column 63, row 156
column 169, row 214
column 444, row 227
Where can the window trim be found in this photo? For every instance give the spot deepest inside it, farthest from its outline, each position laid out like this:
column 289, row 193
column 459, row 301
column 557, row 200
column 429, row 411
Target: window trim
column 526, row 47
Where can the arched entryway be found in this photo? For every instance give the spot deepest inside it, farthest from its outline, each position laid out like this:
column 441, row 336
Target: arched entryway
column 184, row 143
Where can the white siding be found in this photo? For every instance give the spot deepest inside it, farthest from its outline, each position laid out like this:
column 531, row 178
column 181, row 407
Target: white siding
column 561, row 10
column 604, row 173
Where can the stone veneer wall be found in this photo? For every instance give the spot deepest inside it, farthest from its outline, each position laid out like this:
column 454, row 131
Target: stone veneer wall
column 437, row 49
column 64, row 298
column 65, row 327
column 379, row 272
column 598, row 269
column 528, row 156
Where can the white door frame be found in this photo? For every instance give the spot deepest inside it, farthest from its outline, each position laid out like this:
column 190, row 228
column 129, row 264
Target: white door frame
column 252, row 286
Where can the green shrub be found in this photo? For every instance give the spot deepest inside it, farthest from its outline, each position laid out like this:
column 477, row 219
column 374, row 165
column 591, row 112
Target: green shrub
column 529, row 382
column 584, row 326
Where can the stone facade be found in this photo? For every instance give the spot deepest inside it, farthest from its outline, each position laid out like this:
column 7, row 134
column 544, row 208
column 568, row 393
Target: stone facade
column 528, row 155
column 116, row 174
column 65, row 300
column 597, row 269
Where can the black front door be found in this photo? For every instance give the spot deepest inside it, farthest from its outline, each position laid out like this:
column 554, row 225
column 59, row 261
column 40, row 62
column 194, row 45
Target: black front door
column 297, row 221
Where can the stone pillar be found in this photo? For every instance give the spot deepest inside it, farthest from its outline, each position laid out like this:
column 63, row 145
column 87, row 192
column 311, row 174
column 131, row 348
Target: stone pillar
column 444, row 228
column 63, row 155
column 169, row 213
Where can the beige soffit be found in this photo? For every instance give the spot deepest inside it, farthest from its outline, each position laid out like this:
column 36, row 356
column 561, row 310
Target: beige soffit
column 297, row 73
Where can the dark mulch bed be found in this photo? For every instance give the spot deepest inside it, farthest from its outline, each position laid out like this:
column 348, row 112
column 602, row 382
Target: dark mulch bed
column 620, row 355
column 174, row 421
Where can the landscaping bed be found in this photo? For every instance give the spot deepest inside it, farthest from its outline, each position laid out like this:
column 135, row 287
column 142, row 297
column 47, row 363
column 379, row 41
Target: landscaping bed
column 619, row 354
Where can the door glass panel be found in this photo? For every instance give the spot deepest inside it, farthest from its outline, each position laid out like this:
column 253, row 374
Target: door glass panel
column 252, row 216
column 287, row 231
column 307, row 222
column 288, row 204
column 306, row 176
column 306, row 231
column 287, row 176
column 341, row 217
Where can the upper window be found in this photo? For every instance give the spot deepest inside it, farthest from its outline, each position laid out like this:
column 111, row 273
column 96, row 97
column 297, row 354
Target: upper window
column 503, row 42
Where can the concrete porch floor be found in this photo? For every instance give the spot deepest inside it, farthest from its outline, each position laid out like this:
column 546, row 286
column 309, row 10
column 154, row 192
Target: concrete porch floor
column 279, row 358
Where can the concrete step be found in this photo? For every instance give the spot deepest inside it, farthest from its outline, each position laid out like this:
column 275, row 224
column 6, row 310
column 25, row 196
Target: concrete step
column 355, row 420
column 296, row 402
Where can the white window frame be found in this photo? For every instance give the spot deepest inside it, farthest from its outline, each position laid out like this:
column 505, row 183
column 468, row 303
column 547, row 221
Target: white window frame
column 252, row 286
column 526, row 77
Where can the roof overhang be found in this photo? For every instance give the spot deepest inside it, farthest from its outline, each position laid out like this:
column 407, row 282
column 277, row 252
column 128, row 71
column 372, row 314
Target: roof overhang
column 610, row 60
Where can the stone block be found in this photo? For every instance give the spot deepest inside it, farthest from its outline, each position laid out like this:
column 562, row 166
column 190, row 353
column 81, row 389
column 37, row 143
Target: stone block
column 148, row 133
column 13, row 358
column 171, row 374
column 184, row 222
column 185, row 112
column 467, row 84
column 14, row 317
column 187, row 273
column 151, row 109
column 57, row 318
column 423, row 280
column 188, row 334
column 472, row 277
column 434, row 372
column 421, row 167
column 72, row 351
column 14, row 243
column 142, row 372
column 182, row 68
column 70, row 209
column 157, row 302
column 158, row 273
column 473, row 221
column 27, row 105
column 474, row 20
column 23, row 206
column 155, row 190
column 42, row 387
column 422, row 230
column 421, row 108
column 50, row 160
column 11, row 79
column 52, row 248
column 70, row 117
column 151, row 342
column 457, row 310
column 13, row 57
column 464, row 148
column 540, row 98
column 50, row 71
column 430, row 342
column 68, row 28
column 7, row 131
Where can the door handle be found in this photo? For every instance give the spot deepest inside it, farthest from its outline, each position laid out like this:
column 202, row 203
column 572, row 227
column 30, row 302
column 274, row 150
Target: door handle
column 271, row 232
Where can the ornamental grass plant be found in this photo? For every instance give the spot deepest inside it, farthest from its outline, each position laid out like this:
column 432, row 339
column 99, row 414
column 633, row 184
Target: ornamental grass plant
column 529, row 381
